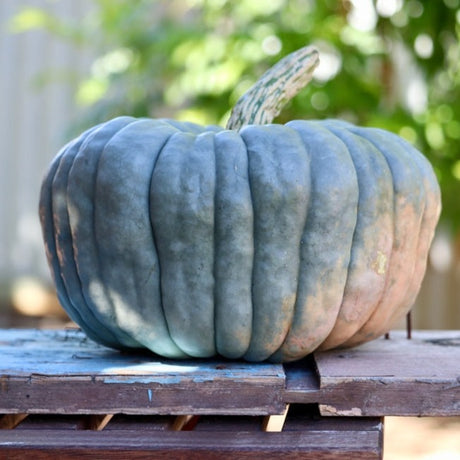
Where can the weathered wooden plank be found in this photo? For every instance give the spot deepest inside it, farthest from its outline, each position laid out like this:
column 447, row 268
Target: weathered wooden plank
column 64, row 372
column 429, row 355
column 69, row 352
column 419, row 377
column 120, row 444
column 64, row 395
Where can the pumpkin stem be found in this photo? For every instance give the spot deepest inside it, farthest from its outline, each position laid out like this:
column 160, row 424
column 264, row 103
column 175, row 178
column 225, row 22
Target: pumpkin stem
column 265, row 100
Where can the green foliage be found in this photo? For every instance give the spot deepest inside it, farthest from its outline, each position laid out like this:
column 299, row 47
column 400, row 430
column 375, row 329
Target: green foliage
column 391, row 64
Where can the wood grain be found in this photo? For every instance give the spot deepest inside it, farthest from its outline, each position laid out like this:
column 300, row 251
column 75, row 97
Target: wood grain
column 64, row 372
column 432, row 356
column 359, row 442
column 418, row 377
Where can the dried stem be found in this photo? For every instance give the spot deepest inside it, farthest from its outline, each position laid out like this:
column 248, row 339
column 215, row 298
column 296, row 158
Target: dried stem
column 265, row 100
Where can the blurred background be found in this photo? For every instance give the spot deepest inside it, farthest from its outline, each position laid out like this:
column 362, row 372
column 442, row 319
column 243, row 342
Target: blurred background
column 68, row 64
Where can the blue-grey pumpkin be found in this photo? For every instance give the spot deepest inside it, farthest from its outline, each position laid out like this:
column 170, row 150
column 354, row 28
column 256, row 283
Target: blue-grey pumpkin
column 263, row 243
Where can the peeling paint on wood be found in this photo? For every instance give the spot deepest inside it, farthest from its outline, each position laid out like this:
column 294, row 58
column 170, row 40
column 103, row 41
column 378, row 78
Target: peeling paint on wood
column 417, row 377
column 333, row 411
column 62, row 372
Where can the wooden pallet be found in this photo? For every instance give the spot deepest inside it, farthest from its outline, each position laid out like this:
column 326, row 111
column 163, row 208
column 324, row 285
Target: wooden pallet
column 62, row 393
column 151, row 436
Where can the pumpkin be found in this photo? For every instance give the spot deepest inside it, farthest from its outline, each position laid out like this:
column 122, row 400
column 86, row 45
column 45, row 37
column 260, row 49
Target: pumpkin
column 261, row 242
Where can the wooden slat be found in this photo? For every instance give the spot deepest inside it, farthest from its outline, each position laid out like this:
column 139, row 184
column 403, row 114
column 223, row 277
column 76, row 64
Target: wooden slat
column 64, row 372
column 10, row 421
column 274, row 423
column 432, row 356
column 180, row 421
column 42, row 394
column 120, row 444
column 418, row 377
column 98, row 421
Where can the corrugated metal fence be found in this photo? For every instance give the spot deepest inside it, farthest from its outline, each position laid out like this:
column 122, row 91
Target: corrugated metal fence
column 31, row 130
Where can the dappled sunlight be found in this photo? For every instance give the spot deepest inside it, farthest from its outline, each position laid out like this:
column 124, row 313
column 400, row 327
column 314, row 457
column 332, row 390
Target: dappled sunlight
column 362, row 15
column 329, row 64
column 388, row 8
column 151, row 367
column 423, row 46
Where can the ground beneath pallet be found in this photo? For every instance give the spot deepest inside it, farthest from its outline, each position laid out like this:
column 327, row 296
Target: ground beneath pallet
column 431, row 438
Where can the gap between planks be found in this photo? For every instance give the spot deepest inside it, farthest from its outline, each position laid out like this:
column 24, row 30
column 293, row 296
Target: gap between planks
column 10, row 421
column 271, row 423
column 97, row 422
column 275, row 423
column 181, row 422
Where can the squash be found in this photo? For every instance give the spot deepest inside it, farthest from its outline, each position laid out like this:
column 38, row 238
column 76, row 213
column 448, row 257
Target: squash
column 258, row 242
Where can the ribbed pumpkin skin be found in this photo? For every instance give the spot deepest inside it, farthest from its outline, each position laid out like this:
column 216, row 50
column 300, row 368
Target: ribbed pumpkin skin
column 266, row 243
